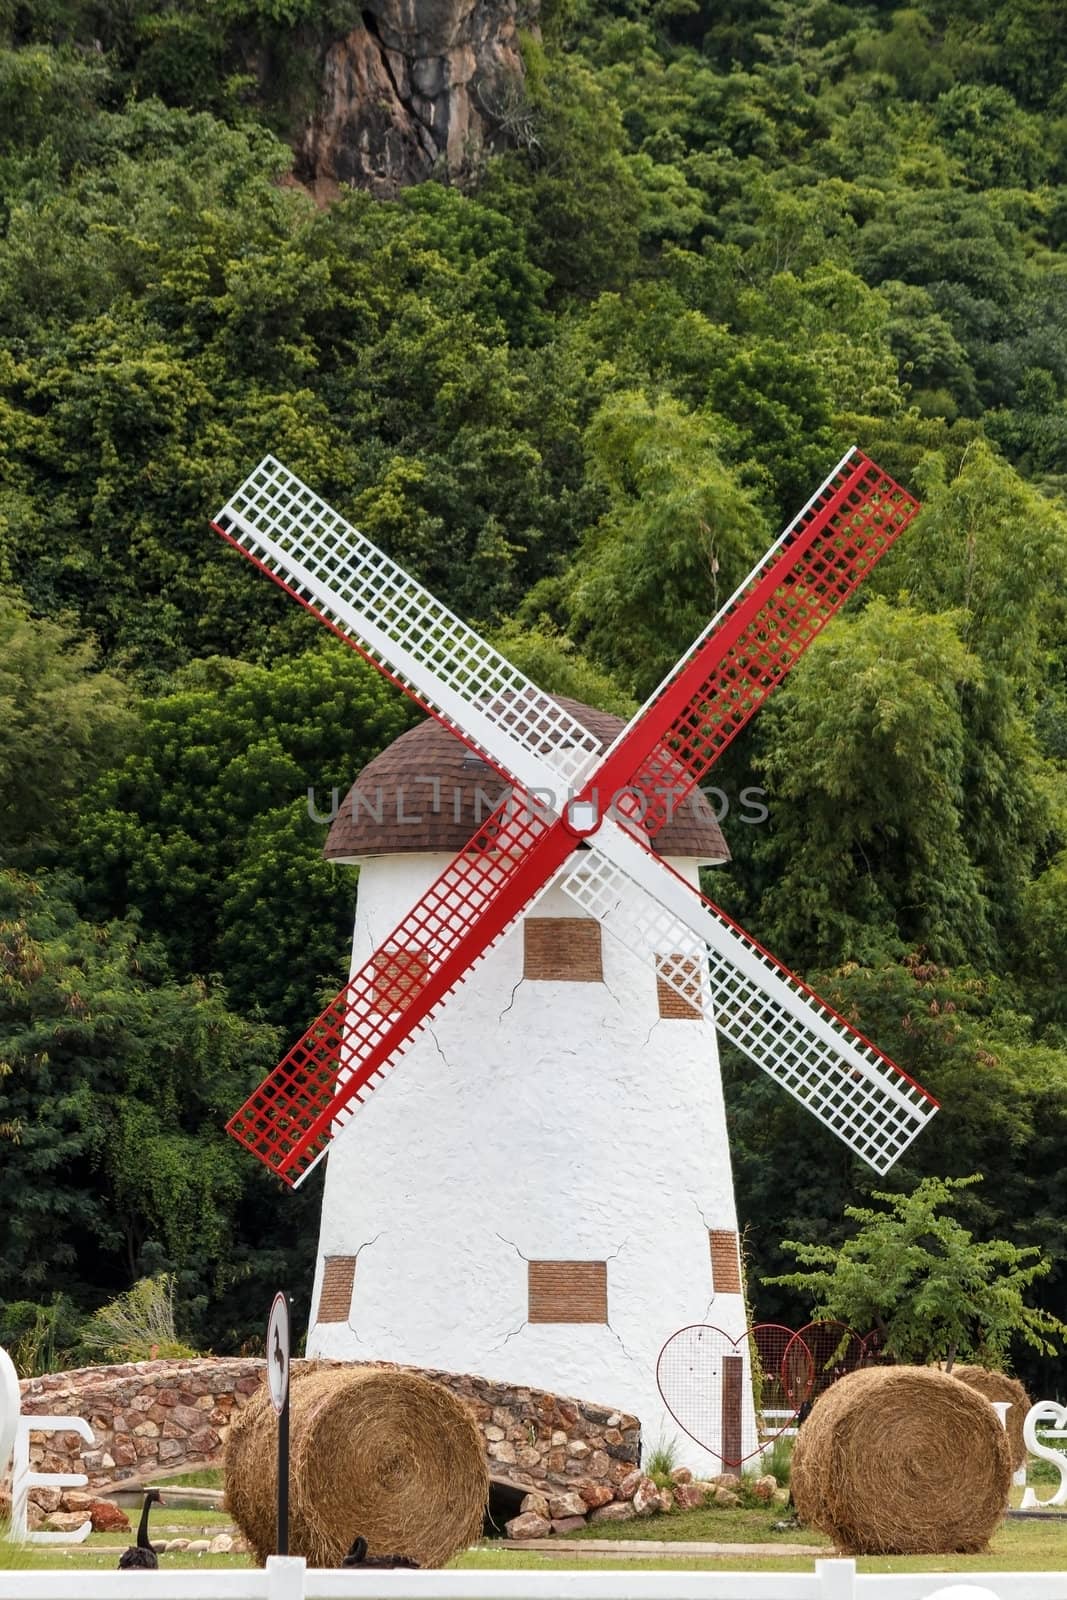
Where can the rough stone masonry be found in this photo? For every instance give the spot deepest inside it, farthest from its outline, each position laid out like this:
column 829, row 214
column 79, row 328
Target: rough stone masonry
column 153, row 1417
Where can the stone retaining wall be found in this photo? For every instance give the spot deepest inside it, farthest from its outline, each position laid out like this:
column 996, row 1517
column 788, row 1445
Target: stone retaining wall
column 160, row 1417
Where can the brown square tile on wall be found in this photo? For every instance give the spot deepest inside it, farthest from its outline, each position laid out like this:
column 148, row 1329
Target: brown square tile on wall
column 725, row 1261
column 335, row 1296
column 398, row 977
column 567, row 1291
column 562, row 950
column 671, row 1003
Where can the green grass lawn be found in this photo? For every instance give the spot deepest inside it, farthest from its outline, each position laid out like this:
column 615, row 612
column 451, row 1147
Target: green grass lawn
column 169, row 1524
column 1018, row 1546
column 716, row 1524
column 101, row 1550
column 205, row 1478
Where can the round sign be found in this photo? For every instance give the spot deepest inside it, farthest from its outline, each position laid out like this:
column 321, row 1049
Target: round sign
column 278, row 1352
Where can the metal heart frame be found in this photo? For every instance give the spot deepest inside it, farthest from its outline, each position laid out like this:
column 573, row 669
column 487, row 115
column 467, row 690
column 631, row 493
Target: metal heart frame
column 703, row 1375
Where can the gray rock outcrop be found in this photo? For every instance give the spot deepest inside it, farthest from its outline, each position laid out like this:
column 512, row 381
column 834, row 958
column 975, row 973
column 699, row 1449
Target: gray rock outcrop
column 421, row 88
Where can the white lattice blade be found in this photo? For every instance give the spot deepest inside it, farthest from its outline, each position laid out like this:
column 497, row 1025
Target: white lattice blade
column 758, row 1005
column 640, row 924
column 287, row 529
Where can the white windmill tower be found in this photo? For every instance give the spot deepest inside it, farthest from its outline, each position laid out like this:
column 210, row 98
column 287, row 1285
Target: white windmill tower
column 544, row 1193
column 504, row 1206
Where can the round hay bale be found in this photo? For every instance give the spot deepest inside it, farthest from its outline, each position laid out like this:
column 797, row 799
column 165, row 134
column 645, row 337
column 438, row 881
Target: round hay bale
column 998, row 1386
column 381, row 1453
column 902, row 1461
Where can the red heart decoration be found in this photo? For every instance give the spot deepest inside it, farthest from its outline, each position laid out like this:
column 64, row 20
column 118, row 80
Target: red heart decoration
column 703, row 1376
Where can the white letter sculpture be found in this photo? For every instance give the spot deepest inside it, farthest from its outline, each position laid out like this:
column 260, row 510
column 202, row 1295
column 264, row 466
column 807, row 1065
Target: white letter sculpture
column 1041, row 1415
column 15, row 1435
column 9, row 1408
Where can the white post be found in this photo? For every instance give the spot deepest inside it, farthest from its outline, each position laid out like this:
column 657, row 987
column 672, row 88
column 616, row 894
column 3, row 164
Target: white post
column 837, row 1579
column 23, row 1480
column 285, row 1577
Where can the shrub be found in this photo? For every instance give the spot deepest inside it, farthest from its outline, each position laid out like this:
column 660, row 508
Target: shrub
column 138, row 1325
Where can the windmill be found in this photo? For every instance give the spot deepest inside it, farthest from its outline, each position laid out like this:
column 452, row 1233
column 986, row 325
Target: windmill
column 576, row 831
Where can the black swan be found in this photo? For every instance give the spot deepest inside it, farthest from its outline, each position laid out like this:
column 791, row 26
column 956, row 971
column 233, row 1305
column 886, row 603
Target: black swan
column 358, row 1557
column 140, row 1556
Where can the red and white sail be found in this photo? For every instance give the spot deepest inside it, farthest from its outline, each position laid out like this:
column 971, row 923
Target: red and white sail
column 567, row 796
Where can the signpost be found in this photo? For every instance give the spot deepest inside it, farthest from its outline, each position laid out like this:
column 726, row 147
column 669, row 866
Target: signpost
column 278, row 1384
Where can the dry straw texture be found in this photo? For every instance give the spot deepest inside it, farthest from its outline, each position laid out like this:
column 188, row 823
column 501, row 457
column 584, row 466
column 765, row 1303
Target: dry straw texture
column 384, row 1454
column 902, row 1461
column 998, row 1386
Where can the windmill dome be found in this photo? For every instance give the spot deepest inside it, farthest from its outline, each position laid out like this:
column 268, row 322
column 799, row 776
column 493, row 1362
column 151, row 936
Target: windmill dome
column 428, row 791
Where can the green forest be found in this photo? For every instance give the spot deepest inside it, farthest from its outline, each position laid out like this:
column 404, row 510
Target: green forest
column 578, row 396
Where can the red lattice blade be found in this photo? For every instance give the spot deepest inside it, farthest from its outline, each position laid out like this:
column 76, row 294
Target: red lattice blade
column 291, row 1118
column 759, row 635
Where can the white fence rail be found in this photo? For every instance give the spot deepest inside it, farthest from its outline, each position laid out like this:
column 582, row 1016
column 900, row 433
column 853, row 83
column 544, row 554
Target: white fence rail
column 287, row 1578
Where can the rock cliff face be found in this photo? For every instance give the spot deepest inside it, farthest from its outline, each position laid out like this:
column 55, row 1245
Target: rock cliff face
column 422, row 87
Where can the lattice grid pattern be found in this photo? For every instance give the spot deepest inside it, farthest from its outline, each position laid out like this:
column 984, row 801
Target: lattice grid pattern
column 842, row 533
column 704, row 1379
column 398, row 977
column 287, row 529
column 671, row 1005
column 788, row 1373
column 641, row 925
column 347, row 1051
column 857, row 1092
column 765, row 1011
column 834, row 1349
column 279, row 524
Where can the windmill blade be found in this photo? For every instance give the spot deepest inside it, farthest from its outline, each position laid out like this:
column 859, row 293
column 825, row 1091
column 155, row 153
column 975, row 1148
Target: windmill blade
column 759, row 1005
column 286, row 530
column 305, row 547
column 756, row 638
column 289, row 1120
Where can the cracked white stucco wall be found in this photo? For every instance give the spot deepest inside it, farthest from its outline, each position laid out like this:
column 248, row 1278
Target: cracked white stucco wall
column 534, row 1120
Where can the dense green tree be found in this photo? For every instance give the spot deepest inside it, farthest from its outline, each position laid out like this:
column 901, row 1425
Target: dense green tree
column 679, row 536
column 866, row 757
column 61, row 722
column 116, row 1082
column 571, row 190
column 1003, row 1101
column 554, row 663
column 925, row 1284
column 207, row 827
column 576, row 397
column 1042, row 959
column 996, row 144
column 197, row 316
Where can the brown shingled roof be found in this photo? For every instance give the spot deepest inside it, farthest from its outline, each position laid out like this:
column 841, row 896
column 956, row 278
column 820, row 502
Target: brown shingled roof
column 427, row 791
